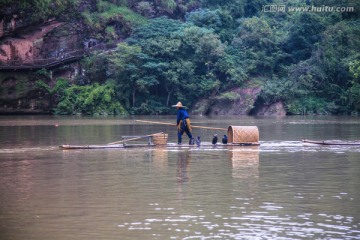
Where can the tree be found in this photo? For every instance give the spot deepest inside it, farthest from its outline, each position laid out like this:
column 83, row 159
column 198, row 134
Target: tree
column 127, row 66
column 354, row 90
column 304, row 34
column 182, row 57
column 257, row 44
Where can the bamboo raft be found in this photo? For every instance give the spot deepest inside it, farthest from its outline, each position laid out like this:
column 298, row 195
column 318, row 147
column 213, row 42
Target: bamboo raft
column 204, row 145
column 68, row 147
column 238, row 136
column 332, row 142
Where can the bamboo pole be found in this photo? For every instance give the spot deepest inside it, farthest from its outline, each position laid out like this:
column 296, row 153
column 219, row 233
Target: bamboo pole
column 173, row 124
column 131, row 139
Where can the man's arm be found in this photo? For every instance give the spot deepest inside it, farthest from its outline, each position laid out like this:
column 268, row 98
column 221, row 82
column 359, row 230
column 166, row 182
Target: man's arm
column 178, row 117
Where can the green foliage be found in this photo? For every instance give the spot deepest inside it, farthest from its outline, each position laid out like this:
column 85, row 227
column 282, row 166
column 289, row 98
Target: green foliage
column 56, row 92
column 253, row 7
column 35, row 11
column 308, row 60
column 43, row 73
column 188, row 61
column 355, row 68
column 95, row 69
column 90, row 100
column 203, row 43
column 228, row 97
column 257, row 46
column 304, row 33
column 353, row 93
column 219, row 20
column 169, row 5
column 337, row 50
column 110, row 20
column 235, row 7
column 151, row 106
column 354, row 96
column 310, row 105
column 92, row 20
column 298, row 96
column 128, row 71
column 21, row 88
column 309, row 65
column 156, row 28
column 110, row 11
column 180, row 59
column 205, row 18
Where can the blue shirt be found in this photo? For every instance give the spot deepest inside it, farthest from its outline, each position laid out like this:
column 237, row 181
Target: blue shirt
column 181, row 114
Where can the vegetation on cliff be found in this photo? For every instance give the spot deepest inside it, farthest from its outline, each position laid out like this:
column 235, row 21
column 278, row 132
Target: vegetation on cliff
column 36, row 11
column 171, row 51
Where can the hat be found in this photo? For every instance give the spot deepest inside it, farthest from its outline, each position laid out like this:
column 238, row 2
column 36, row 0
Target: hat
column 179, row 105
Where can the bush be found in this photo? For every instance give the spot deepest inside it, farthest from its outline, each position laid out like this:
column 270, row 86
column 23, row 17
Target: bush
column 90, row 100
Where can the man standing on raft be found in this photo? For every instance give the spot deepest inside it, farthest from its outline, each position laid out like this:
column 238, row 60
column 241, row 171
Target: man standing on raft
column 183, row 123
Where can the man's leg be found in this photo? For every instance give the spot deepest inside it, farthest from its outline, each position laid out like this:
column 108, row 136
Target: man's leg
column 191, row 141
column 188, row 133
column 180, row 133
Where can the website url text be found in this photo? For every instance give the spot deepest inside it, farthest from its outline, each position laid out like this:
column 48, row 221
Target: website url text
column 284, row 8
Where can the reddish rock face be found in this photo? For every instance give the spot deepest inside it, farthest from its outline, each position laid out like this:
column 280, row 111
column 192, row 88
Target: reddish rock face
column 27, row 46
column 19, row 92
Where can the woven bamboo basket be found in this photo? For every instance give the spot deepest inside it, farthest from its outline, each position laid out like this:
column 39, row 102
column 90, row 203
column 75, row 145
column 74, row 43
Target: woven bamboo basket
column 160, row 138
column 243, row 134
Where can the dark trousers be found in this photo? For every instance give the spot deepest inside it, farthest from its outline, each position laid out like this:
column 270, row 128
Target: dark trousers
column 181, row 132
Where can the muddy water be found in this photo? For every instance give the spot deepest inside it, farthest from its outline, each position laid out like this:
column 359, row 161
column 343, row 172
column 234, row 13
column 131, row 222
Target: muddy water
column 280, row 190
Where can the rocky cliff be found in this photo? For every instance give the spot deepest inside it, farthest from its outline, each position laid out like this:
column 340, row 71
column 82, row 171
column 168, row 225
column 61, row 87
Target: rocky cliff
column 28, row 45
column 35, row 44
column 30, row 39
column 237, row 101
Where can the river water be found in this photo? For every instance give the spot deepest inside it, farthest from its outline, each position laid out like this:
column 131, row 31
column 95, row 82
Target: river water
column 280, row 190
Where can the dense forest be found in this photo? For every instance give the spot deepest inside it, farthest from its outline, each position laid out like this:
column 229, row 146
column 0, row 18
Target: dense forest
column 305, row 54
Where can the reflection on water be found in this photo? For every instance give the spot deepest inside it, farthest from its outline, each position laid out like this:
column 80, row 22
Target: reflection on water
column 245, row 162
column 182, row 172
column 280, row 190
column 159, row 157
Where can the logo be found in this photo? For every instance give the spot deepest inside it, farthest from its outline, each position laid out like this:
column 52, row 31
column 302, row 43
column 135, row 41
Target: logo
column 274, row 8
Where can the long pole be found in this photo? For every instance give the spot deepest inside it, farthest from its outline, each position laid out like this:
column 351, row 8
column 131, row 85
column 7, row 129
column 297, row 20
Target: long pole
column 172, row 124
column 135, row 138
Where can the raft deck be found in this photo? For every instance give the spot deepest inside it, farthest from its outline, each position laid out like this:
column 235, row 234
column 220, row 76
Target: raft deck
column 168, row 145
